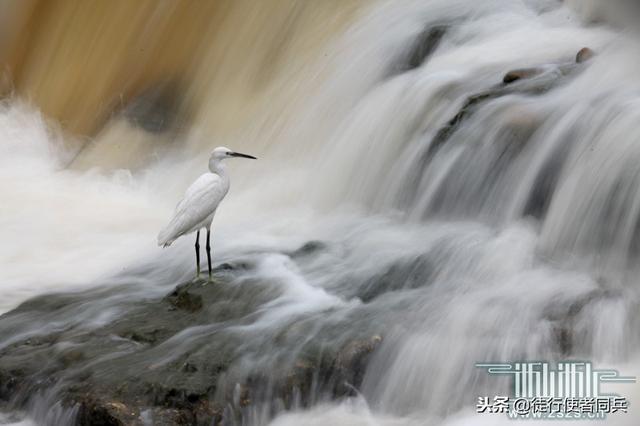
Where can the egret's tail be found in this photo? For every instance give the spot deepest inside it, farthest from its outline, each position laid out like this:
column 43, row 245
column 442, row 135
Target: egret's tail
column 165, row 238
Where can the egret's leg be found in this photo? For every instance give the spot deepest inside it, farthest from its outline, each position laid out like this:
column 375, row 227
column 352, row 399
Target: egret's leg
column 198, row 255
column 209, row 250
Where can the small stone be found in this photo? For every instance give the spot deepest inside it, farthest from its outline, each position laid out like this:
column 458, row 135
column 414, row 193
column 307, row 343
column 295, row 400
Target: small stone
column 189, row 368
column 521, row 74
column 584, row 55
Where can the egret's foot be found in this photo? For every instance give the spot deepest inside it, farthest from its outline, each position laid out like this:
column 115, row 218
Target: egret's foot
column 209, row 280
column 199, row 279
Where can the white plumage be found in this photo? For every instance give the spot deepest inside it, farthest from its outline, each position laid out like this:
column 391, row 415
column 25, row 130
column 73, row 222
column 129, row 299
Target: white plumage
column 200, row 202
column 197, row 208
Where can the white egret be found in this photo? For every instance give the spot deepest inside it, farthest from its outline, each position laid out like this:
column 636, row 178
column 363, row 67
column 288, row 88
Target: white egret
column 197, row 208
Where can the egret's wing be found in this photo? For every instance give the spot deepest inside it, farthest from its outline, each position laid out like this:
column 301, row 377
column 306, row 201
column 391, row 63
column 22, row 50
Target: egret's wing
column 200, row 200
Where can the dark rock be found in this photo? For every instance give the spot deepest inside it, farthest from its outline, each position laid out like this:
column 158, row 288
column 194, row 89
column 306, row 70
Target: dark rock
column 530, row 81
column 118, row 373
column 533, row 81
column 47, row 303
column 225, row 267
column 452, row 125
column 299, row 382
column 424, row 46
column 144, row 337
column 351, row 362
column 562, row 318
column 183, row 299
column 337, row 372
column 155, row 109
column 406, row 274
column 539, row 198
column 308, row 248
column 95, row 413
column 233, row 267
column 516, row 75
column 189, row 368
column 8, row 385
column 72, row 356
column 584, row 55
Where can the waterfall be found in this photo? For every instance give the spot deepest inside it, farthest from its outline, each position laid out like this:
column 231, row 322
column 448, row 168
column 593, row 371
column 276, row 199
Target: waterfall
column 405, row 196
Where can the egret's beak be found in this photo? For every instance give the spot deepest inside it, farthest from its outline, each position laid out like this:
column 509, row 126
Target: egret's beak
column 237, row 154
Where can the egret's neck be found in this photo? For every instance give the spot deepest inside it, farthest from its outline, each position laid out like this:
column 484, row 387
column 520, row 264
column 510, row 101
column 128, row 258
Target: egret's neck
column 216, row 166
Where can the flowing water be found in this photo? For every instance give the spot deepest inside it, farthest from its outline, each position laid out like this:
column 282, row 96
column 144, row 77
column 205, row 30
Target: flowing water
column 516, row 238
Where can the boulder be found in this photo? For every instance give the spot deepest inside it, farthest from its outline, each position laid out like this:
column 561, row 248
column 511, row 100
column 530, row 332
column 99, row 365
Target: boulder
column 118, row 373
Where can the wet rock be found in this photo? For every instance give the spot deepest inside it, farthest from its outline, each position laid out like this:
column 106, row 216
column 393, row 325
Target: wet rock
column 120, row 372
column 531, row 81
column 539, row 198
column 351, row 362
column 563, row 339
column 107, row 366
column 225, row 267
column 155, row 109
column 317, row 373
column 144, row 336
column 452, row 125
column 233, row 267
column 47, row 303
column 189, row 368
column 184, row 300
column 96, row 413
column 516, row 75
column 72, row 356
column 584, row 55
column 405, row 274
column 8, row 385
column 562, row 318
column 308, row 248
column 171, row 416
column 424, row 46
column 299, row 382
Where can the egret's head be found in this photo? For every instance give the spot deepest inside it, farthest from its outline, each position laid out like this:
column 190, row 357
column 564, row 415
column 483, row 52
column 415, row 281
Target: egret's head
column 220, row 153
